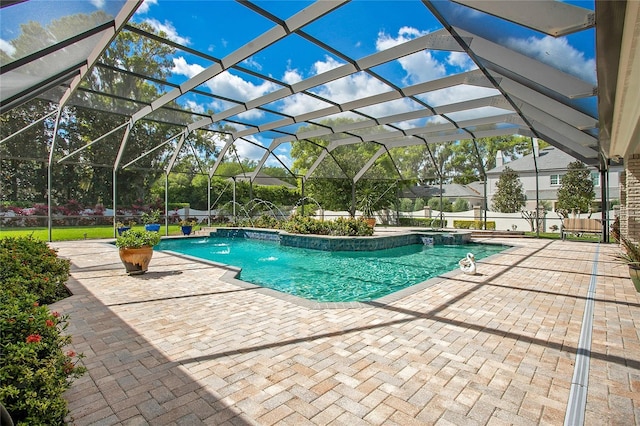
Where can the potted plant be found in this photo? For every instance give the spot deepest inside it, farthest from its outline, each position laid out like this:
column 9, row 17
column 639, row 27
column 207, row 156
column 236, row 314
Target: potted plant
column 187, row 225
column 631, row 256
column 121, row 227
column 366, row 204
column 135, row 247
column 151, row 220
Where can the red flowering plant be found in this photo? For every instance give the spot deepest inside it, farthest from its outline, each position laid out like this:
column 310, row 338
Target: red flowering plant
column 35, row 368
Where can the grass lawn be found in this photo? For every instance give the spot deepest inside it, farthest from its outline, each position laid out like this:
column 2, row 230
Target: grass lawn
column 570, row 237
column 69, row 233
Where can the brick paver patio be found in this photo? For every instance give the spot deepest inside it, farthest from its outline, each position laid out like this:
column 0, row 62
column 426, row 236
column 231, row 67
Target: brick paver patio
column 181, row 346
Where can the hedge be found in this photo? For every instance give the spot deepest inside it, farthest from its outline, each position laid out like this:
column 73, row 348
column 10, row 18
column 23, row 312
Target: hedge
column 422, row 222
column 473, row 224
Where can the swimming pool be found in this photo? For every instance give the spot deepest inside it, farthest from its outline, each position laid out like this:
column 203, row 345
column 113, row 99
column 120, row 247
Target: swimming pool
column 329, row 276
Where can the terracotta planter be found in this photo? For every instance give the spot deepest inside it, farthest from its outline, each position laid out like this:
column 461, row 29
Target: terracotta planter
column 136, row 260
column 634, row 274
column 371, row 221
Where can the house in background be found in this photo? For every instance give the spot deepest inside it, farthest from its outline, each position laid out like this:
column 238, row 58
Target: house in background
column 552, row 165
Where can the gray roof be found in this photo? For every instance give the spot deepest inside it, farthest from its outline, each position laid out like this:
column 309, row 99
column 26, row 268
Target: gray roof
column 550, row 159
column 477, row 186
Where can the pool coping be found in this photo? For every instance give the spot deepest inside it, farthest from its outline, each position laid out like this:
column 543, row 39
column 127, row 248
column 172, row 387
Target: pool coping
column 232, row 272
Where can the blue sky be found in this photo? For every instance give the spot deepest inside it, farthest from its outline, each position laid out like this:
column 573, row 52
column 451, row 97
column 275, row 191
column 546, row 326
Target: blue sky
column 357, row 29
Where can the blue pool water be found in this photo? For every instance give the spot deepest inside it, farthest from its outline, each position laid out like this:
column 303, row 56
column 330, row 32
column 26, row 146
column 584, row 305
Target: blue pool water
column 329, row 276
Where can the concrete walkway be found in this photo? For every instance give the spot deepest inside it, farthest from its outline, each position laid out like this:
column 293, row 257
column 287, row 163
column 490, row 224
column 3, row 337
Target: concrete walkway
column 180, row 346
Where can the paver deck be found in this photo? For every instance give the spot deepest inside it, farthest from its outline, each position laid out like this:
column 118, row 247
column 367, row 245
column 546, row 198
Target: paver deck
column 180, row 346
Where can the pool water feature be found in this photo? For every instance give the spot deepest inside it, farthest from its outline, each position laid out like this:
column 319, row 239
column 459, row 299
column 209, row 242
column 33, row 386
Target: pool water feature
column 329, row 276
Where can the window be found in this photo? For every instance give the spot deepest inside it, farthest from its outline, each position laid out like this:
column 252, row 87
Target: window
column 595, row 178
column 556, row 179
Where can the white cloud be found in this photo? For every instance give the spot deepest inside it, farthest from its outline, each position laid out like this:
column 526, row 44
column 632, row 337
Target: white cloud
column 251, row 62
column 348, row 88
column 397, row 106
column 328, row 64
column 249, row 150
column 195, row 107
column 7, row 47
column 286, row 160
column 455, row 94
column 99, row 4
column 421, row 66
column 180, row 66
column 169, row 30
column 558, row 53
column 300, row 104
column 225, row 84
column 144, row 7
column 461, row 60
column 292, row 77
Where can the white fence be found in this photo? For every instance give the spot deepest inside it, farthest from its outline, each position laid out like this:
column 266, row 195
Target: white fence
column 504, row 221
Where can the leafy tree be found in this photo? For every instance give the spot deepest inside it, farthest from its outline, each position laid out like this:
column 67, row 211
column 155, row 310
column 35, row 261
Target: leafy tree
column 460, row 205
column 133, row 53
column 434, row 204
column 576, row 190
column 442, row 153
column 23, row 168
column 509, row 198
column 87, row 176
column 332, row 182
column 464, row 166
column 406, row 205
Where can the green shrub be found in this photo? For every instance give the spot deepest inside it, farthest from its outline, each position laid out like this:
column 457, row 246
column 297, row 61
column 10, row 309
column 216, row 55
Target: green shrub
column 305, row 225
column 473, row 224
column 462, row 224
column 152, row 216
column 425, row 222
column 339, row 227
column 460, row 205
column 434, row 204
column 406, row 205
column 350, row 227
column 31, row 266
column 136, row 238
column 267, row 221
column 298, row 224
column 34, row 369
